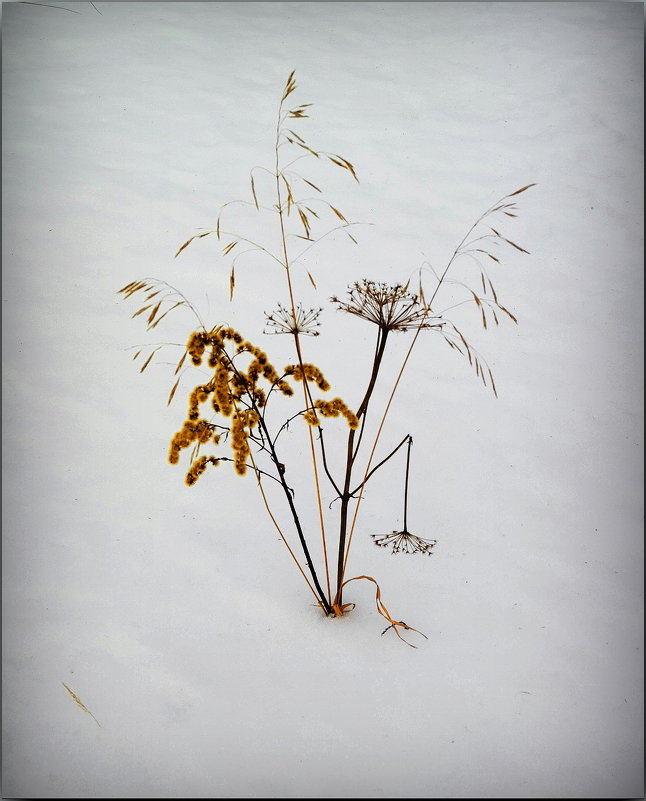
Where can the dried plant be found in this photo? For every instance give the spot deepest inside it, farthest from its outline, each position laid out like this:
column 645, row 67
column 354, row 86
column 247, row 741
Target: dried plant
column 230, row 411
column 80, row 703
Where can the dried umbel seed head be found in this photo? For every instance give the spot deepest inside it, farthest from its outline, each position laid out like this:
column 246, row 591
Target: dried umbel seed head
column 283, row 321
column 392, row 308
column 404, row 542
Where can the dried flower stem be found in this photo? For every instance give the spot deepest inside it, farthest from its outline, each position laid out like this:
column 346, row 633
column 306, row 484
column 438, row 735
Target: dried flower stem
column 306, row 392
column 372, row 454
column 351, row 455
column 410, row 443
column 280, row 532
column 427, row 311
column 288, row 495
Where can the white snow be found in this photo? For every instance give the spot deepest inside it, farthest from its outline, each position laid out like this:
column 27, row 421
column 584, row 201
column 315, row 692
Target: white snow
column 175, row 613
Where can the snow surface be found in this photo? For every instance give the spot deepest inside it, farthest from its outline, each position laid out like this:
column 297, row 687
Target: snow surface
column 174, row 613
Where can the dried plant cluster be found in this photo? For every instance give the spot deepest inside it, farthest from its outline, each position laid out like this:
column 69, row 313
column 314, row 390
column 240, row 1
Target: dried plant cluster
column 228, row 413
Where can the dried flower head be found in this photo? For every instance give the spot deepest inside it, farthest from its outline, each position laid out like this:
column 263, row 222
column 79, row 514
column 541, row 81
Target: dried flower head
column 311, row 373
column 392, row 308
column 335, row 408
column 283, row 321
column 403, row 542
column 198, row 467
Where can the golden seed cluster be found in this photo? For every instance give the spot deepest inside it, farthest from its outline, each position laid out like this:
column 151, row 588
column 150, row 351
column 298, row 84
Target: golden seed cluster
column 229, row 384
column 311, row 418
column 198, row 467
column 222, row 395
column 241, row 421
column 333, row 408
column 199, row 431
column 311, row 372
column 197, row 396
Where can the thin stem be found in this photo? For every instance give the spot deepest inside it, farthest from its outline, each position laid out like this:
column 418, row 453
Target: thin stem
column 381, row 463
column 251, row 242
column 379, row 351
column 374, row 448
column 285, row 425
column 280, row 532
column 297, row 522
column 254, row 467
column 350, row 458
column 286, row 489
column 325, row 466
column 306, row 392
column 331, row 231
column 410, row 442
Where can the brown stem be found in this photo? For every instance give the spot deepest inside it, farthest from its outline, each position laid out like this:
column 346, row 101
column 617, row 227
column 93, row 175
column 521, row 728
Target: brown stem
column 381, row 463
column 297, row 344
column 350, row 458
column 286, row 489
column 281, row 477
column 410, row 442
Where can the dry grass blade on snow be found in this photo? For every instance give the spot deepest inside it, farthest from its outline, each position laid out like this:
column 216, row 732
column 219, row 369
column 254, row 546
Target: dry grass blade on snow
column 79, row 703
